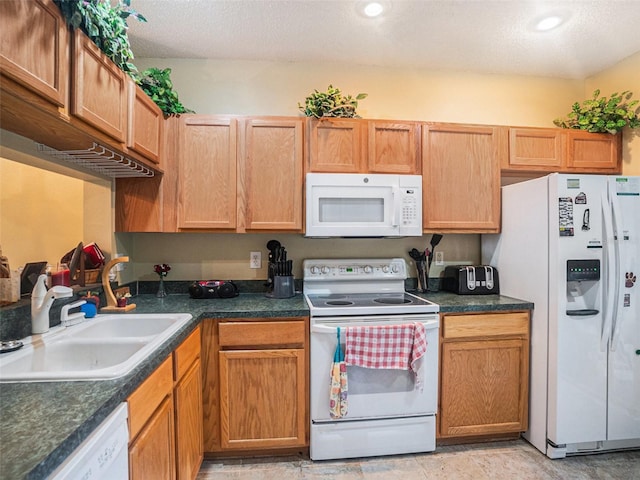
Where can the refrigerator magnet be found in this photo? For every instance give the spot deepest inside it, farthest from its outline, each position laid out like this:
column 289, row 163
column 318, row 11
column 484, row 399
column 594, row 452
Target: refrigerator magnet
column 581, row 198
column 565, row 216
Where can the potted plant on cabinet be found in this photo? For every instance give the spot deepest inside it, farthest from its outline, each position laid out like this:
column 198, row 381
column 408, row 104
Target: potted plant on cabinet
column 331, row 103
column 603, row 114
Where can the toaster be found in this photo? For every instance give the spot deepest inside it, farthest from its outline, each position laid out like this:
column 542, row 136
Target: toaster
column 471, row 280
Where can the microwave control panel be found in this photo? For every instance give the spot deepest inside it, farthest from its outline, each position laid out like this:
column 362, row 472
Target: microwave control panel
column 411, row 211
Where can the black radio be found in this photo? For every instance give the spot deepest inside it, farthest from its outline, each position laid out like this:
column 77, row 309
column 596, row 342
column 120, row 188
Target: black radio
column 213, row 289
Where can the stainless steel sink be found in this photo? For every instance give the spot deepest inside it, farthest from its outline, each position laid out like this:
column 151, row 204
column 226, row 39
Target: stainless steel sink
column 106, row 347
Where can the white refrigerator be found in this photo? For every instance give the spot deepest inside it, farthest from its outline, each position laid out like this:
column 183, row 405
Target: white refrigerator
column 571, row 245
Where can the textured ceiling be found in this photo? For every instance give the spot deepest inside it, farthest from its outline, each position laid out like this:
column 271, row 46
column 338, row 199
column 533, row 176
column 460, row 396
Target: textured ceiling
column 466, row 35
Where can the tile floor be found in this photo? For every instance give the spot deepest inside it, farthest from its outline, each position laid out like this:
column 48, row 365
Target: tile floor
column 495, row 461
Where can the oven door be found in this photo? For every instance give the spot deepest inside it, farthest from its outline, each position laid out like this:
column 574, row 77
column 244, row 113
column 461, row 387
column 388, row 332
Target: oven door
column 373, row 393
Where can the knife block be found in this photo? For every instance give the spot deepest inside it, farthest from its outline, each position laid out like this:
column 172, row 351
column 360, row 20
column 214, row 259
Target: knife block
column 283, row 287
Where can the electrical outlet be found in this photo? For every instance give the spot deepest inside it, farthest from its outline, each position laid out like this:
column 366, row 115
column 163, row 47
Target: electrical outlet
column 255, row 260
column 439, row 258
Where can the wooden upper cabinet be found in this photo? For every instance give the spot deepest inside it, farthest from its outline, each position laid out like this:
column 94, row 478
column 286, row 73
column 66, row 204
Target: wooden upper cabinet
column 535, row 149
column 547, row 150
column 144, row 132
column 351, row 145
column 594, row 152
column 99, row 89
column 34, row 48
column 207, row 172
column 393, row 147
column 271, row 167
column 461, row 177
column 335, row 145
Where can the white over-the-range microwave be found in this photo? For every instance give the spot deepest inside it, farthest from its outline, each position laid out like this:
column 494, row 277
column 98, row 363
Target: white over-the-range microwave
column 363, row 205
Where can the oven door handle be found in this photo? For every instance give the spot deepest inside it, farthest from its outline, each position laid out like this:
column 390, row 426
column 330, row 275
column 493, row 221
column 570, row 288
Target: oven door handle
column 327, row 329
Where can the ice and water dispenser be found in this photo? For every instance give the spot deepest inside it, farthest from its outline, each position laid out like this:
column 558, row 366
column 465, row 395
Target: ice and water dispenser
column 583, row 286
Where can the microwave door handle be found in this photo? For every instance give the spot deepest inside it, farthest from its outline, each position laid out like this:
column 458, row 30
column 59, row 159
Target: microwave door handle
column 397, row 206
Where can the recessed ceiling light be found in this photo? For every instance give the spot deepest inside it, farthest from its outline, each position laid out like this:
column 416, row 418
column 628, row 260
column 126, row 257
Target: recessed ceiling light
column 549, row 23
column 373, row 9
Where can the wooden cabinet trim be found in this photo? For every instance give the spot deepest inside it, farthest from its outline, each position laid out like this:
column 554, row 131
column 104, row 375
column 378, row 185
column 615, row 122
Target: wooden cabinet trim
column 146, row 398
column 262, row 334
column 187, row 353
column 188, row 423
column 485, row 325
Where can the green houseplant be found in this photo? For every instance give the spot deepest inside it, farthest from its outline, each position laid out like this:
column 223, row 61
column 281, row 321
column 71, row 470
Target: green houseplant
column 331, row 103
column 157, row 84
column 602, row 114
column 106, row 25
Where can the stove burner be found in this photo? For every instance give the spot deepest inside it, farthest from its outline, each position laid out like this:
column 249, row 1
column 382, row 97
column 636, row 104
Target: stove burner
column 392, row 300
column 339, row 302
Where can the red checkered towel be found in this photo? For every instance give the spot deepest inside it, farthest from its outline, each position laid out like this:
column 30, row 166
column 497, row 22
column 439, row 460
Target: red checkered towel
column 387, row 346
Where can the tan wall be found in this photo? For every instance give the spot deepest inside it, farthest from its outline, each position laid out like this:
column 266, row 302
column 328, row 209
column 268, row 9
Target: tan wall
column 623, row 76
column 47, row 208
column 270, row 88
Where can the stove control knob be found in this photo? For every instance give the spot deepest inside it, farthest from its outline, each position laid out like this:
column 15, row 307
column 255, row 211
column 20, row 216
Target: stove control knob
column 324, row 269
column 394, row 268
column 314, row 270
column 385, row 269
column 368, row 269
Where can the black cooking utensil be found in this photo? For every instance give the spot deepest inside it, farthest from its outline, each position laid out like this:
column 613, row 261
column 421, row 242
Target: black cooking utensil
column 435, row 240
column 415, row 254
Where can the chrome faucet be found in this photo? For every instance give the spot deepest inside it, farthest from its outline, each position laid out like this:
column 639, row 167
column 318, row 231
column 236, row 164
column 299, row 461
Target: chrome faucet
column 41, row 301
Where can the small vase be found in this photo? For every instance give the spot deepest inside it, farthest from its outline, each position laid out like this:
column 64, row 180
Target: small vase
column 161, row 291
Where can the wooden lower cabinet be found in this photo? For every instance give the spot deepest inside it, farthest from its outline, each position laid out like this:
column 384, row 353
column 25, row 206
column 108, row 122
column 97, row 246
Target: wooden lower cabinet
column 484, row 375
column 165, row 418
column 150, row 455
column 255, row 385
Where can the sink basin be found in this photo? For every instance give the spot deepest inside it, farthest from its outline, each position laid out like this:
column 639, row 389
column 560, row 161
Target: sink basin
column 119, row 326
column 106, row 347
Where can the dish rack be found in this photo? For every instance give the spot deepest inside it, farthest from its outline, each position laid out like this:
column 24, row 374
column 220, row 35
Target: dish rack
column 101, row 160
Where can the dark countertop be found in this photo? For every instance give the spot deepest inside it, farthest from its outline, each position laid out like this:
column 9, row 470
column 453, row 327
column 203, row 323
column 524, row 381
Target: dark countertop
column 43, row 422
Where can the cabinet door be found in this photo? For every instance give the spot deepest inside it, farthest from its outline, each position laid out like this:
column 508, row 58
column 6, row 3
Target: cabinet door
column 393, row 147
column 335, row 145
column 271, row 173
column 536, row 149
column 99, row 89
column 152, row 455
column 144, row 133
column 207, row 173
column 188, row 404
column 34, row 48
column 483, row 387
column 461, row 177
column 262, row 398
column 594, row 152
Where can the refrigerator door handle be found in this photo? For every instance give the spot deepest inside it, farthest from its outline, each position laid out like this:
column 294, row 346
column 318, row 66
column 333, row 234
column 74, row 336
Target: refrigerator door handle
column 610, row 278
column 618, row 291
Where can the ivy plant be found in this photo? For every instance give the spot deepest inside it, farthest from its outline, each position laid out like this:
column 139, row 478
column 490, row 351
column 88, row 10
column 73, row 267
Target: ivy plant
column 106, row 25
column 331, row 103
column 603, row 114
column 157, row 84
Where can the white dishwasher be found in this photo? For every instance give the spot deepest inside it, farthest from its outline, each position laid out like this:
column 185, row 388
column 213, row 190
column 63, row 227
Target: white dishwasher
column 103, row 455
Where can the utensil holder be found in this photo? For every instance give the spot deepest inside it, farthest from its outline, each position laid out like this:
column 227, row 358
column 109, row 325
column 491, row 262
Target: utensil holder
column 422, row 269
column 283, row 287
